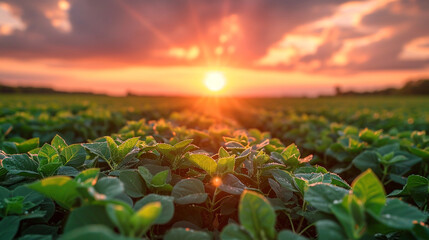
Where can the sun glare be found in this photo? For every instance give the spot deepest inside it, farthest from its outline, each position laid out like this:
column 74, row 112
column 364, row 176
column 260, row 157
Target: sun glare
column 215, row 81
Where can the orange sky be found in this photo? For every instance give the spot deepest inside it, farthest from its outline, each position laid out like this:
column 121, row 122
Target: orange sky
column 264, row 48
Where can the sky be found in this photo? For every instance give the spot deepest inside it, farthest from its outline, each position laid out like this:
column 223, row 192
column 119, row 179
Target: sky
column 167, row 47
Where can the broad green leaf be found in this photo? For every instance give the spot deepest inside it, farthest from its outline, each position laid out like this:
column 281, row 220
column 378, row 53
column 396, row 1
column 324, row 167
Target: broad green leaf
column 49, row 169
column 9, row 227
column 146, row 175
column 48, row 154
column 164, row 148
column 109, row 186
column 118, row 153
column 120, row 216
column 21, row 164
column 421, row 232
column 322, row 196
column 28, row 145
column 225, row 165
column 73, row 155
column 282, row 193
column 257, row 215
column 30, row 196
column 223, row 153
column 114, row 151
column 160, row 178
column 189, row 191
column 232, row 185
column 67, row 171
column 417, row 187
column 88, row 176
column 368, row 189
column 145, row 217
column 204, row 162
column 58, row 143
column 329, row 230
column 186, row 234
column 88, row 215
column 400, row 215
column 284, row 178
column 92, row 232
column 368, row 160
column 368, row 135
column 100, row 149
column 167, row 204
column 59, row 188
column 133, row 183
column 183, row 144
column 235, row 232
column 351, row 215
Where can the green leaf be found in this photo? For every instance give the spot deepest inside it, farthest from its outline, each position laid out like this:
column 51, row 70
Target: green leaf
column 146, row 175
column 160, row 178
column 257, row 215
column 59, row 188
column 9, row 227
column 189, row 191
column 328, row 230
column 232, row 185
column 235, row 232
column 73, row 155
column 368, row 160
column 368, row 135
column 119, row 152
column 92, row 232
column 88, row 215
column 417, row 187
column 223, row 153
column 400, row 215
column 28, row 145
column 225, row 165
column 351, row 215
column 49, row 169
column 88, row 176
column 167, row 204
column 183, row 144
column 421, row 232
column 109, row 186
column 67, row 171
column 370, row 191
column 204, row 162
column 120, row 215
column 186, row 234
column 322, row 196
column 133, row 183
column 145, row 217
column 48, row 154
column 100, row 149
column 21, row 164
column 165, row 148
column 58, row 143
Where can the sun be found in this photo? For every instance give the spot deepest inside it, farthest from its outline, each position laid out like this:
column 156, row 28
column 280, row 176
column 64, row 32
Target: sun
column 215, row 81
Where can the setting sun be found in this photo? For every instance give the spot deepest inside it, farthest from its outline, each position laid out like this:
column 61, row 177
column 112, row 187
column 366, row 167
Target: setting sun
column 215, row 81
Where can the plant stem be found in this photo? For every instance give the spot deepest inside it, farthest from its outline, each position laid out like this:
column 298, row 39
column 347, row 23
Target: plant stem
column 306, row 228
column 304, row 206
column 291, row 222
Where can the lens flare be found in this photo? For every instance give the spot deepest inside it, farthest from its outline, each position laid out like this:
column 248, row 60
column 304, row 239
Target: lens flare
column 216, row 181
column 215, row 81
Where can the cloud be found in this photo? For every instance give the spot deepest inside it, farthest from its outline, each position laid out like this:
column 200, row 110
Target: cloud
column 330, row 35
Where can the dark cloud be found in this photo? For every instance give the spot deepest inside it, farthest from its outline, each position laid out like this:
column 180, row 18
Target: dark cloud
column 140, row 32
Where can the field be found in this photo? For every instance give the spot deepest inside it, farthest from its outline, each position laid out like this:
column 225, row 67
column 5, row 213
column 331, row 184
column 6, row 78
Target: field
column 98, row 167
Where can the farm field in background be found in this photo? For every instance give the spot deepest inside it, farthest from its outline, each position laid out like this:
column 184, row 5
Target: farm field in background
column 100, row 167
